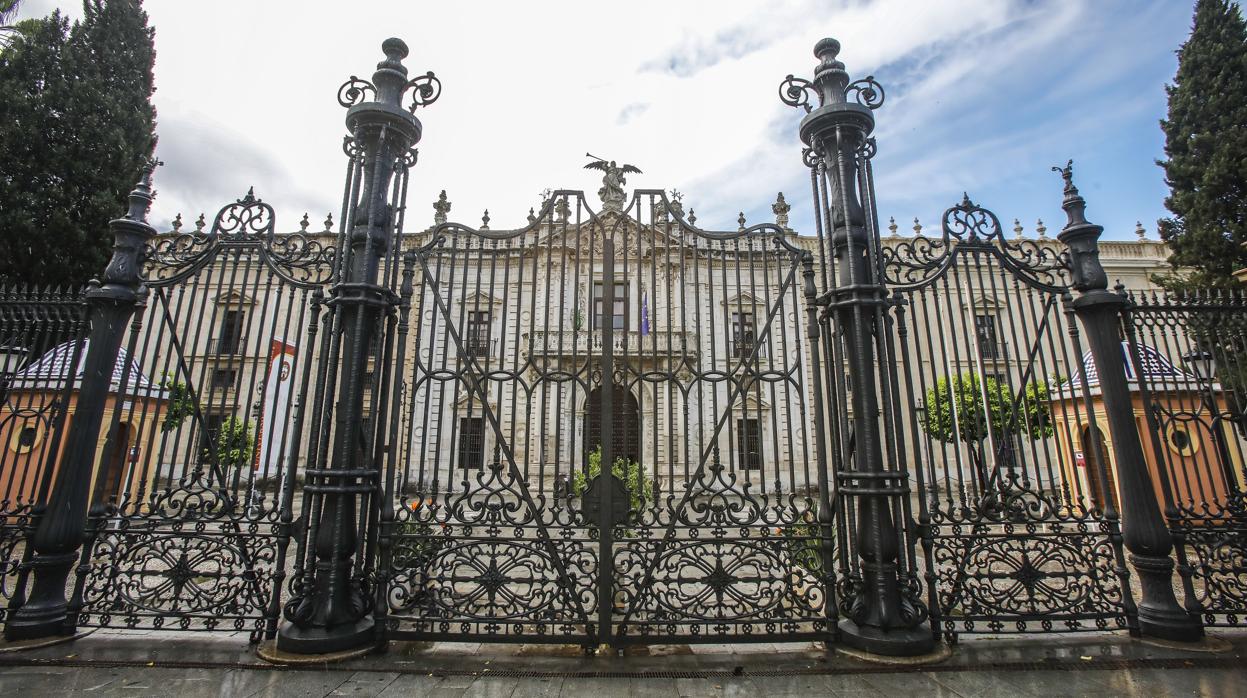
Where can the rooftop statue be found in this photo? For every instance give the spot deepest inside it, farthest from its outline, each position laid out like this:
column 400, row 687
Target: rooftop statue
column 611, row 193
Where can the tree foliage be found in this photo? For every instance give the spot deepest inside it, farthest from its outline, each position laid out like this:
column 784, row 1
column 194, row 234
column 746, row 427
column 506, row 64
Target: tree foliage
column 75, row 102
column 1206, row 149
column 967, row 408
column 235, row 443
column 181, row 403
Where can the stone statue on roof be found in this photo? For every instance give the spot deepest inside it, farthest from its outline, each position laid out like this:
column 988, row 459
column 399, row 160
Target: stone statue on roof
column 611, row 193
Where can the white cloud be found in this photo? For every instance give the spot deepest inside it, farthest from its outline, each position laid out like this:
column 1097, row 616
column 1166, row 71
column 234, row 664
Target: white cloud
column 686, row 91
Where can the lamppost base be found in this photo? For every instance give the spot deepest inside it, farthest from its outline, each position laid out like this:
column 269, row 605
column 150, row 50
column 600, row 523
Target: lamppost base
column 1174, row 625
column 32, row 622
column 326, row 640
column 896, row 642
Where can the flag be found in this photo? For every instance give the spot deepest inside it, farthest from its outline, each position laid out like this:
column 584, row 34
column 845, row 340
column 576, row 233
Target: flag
column 644, row 313
column 273, row 436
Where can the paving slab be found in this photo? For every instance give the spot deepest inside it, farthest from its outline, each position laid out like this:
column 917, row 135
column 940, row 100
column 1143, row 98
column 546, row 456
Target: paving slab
column 188, row 665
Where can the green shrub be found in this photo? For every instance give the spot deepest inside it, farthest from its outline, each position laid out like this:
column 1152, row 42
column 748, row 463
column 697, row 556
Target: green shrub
column 629, row 471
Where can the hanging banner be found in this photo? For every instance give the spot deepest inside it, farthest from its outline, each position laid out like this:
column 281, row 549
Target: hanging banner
column 274, row 431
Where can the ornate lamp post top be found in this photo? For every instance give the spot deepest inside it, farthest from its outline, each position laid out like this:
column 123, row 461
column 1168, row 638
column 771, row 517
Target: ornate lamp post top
column 835, row 93
column 380, row 102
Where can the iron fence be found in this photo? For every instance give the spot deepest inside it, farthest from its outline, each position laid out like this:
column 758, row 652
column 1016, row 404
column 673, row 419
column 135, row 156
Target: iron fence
column 42, row 337
column 614, row 426
column 1186, row 361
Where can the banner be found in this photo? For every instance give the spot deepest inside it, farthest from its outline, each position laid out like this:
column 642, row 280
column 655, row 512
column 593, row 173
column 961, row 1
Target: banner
column 274, row 433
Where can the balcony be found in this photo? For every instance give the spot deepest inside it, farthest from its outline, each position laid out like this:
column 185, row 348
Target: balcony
column 479, row 347
column 585, row 343
column 227, row 346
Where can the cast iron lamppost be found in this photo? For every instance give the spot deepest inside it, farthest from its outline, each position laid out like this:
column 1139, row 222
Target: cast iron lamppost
column 880, row 616
column 331, row 607
column 1143, row 528
column 60, row 530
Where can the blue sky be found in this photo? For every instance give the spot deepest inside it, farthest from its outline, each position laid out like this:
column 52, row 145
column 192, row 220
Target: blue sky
column 984, row 96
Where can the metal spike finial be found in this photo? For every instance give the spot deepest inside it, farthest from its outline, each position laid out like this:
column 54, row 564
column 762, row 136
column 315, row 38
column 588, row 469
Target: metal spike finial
column 892, row 227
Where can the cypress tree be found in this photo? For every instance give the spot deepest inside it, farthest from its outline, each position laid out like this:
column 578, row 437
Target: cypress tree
column 75, row 102
column 1206, row 148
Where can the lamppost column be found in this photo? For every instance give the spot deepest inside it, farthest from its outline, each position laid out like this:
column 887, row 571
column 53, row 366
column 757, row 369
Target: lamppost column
column 60, row 530
column 878, row 616
column 332, row 610
column 1143, row 527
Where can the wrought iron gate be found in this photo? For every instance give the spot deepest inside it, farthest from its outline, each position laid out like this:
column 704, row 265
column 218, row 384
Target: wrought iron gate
column 998, row 407
column 500, row 521
column 191, row 501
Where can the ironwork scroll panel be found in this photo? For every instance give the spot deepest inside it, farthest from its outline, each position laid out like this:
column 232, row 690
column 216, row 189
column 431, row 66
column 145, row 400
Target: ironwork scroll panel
column 500, row 369
column 42, row 332
column 723, row 546
column 206, row 431
column 997, row 410
column 1187, row 354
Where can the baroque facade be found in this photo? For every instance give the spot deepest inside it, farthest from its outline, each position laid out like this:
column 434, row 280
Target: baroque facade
column 708, row 335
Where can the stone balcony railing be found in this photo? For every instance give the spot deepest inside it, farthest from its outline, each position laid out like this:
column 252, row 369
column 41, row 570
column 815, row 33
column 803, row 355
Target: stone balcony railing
column 656, row 344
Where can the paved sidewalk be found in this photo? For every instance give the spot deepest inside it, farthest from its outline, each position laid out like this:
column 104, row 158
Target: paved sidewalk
column 188, row 666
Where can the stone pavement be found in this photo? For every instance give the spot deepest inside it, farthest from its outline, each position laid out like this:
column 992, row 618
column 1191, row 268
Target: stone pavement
column 187, row 665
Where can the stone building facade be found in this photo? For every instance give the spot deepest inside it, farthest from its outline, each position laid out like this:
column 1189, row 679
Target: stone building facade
column 714, row 374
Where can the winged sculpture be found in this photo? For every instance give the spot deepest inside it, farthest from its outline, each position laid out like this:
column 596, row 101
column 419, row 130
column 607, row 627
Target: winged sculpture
column 611, row 193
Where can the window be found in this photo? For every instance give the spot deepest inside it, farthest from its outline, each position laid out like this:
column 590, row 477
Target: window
column 25, row 439
column 744, row 335
column 619, row 310
column 989, row 342
column 230, row 339
column 212, row 428
column 471, row 442
column 749, row 443
column 223, row 378
column 476, row 339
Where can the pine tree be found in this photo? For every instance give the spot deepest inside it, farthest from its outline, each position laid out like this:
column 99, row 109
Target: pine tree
column 1206, row 147
column 75, row 102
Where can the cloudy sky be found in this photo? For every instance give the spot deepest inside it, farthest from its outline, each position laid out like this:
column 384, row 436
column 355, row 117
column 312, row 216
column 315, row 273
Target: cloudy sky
column 983, row 96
